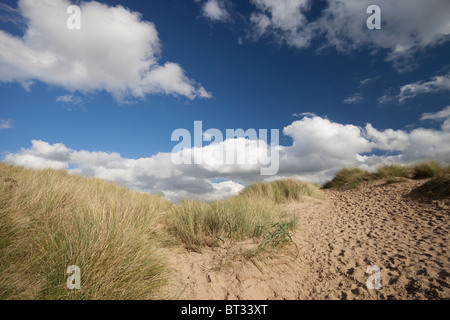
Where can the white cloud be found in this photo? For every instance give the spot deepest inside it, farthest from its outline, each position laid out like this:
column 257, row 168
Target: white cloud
column 115, row 50
column 41, row 155
column 304, row 114
column 420, row 143
column 388, row 139
column 407, row 25
column 412, row 90
column 354, row 98
column 438, row 83
column 443, row 114
column 283, row 18
column 215, row 10
column 320, row 148
column 321, row 145
column 5, row 124
column 69, row 99
column 367, row 81
column 357, row 97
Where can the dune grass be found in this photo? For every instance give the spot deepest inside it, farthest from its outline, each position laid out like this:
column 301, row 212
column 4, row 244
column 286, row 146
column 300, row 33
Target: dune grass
column 348, row 178
column 256, row 213
column 197, row 224
column 391, row 171
column 428, row 169
column 50, row 220
column 281, row 191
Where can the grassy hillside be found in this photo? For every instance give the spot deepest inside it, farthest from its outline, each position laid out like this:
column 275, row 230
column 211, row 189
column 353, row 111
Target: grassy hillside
column 50, row 220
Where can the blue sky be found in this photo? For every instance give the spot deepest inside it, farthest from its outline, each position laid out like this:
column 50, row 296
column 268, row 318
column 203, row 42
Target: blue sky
column 104, row 100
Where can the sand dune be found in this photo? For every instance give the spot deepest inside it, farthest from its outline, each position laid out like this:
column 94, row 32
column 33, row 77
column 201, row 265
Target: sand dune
column 337, row 239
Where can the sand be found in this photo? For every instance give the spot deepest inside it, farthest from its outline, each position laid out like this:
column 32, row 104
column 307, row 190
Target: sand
column 337, row 239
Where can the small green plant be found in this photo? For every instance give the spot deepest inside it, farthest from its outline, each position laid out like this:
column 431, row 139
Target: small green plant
column 276, row 237
column 278, row 234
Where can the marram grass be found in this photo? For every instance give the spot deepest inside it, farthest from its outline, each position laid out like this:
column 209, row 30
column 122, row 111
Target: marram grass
column 197, row 224
column 282, row 191
column 350, row 178
column 50, row 220
column 253, row 214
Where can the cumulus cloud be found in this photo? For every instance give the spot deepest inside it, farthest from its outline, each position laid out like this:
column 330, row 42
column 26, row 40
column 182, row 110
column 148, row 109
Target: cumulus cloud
column 388, row 139
column 155, row 174
column 215, row 10
column 320, row 147
column 115, row 50
column 41, row 155
column 407, row 25
column 420, row 143
column 283, row 18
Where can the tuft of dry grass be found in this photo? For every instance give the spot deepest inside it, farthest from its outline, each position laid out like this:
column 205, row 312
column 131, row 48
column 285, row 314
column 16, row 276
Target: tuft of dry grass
column 348, row 178
column 392, row 171
column 281, row 191
column 50, row 220
column 428, row 169
column 197, row 224
column 256, row 213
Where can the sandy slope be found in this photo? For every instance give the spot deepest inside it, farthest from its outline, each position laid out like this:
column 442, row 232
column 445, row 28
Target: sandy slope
column 338, row 239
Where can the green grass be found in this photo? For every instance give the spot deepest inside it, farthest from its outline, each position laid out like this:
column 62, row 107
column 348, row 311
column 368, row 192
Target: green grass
column 348, row 178
column 392, row 171
column 50, row 220
column 257, row 213
column 197, row 224
column 428, row 169
column 281, row 191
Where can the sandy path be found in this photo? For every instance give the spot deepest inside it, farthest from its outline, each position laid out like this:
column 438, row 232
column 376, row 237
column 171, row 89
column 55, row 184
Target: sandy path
column 338, row 239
